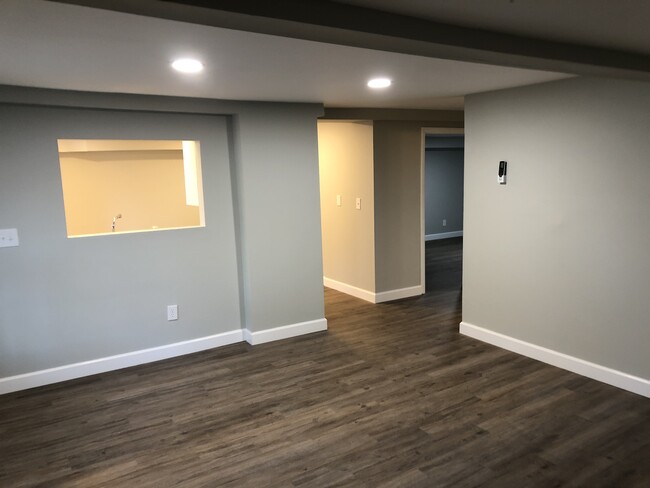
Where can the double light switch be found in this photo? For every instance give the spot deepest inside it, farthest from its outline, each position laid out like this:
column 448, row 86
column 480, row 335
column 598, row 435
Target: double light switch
column 8, row 237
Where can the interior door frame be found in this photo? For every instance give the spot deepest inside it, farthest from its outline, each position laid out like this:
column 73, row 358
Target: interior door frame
column 424, row 132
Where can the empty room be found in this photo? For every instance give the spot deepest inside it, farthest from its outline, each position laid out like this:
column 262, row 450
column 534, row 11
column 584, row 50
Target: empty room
column 227, row 259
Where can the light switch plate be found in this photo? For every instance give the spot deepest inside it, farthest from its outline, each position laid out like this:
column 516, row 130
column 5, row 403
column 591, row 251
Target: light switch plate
column 9, row 237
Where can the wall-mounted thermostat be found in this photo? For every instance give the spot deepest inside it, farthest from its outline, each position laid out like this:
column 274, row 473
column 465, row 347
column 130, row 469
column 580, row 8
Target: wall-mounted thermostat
column 503, row 170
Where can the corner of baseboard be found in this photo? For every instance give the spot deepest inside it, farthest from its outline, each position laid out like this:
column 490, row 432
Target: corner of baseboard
column 354, row 291
column 248, row 336
column 387, row 296
column 285, row 331
column 374, row 297
column 620, row 379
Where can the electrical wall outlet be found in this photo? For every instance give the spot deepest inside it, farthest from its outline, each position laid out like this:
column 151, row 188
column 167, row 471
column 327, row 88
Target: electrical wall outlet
column 444, row 222
column 338, row 200
column 172, row 312
column 357, row 203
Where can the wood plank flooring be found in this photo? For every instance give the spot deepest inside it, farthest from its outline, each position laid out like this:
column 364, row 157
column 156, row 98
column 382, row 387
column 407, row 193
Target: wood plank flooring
column 390, row 396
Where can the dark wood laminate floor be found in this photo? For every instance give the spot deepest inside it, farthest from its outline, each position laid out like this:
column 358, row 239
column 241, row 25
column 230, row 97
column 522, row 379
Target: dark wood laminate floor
column 391, row 396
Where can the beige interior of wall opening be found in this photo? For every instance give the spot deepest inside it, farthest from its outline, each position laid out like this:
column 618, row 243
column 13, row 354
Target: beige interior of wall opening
column 345, row 151
column 120, row 186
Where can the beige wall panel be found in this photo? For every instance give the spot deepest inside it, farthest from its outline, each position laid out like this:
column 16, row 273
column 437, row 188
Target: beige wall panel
column 146, row 187
column 346, row 169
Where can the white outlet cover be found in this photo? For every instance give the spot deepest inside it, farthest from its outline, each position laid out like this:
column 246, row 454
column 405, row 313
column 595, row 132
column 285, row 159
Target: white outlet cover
column 172, row 312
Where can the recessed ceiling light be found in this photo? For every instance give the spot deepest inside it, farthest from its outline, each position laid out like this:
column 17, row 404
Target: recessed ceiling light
column 379, row 83
column 188, row 65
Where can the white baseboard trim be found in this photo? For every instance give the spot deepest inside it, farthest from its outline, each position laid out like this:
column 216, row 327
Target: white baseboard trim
column 443, row 235
column 366, row 295
column 625, row 381
column 369, row 296
column 285, row 331
column 387, row 296
column 102, row 365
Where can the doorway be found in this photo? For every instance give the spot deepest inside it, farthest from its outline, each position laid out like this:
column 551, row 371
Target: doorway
column 442, row 197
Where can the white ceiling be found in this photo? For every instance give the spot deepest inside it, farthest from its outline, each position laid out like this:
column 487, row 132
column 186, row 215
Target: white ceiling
column 54, row 45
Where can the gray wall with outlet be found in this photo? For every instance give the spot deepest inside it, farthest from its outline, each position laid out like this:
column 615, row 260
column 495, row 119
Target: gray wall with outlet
column 559, row 256
column 256, row 264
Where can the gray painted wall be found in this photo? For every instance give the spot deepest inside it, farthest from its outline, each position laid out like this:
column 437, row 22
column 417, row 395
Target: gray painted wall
column 68, row 300
column 559, row 257
column 398, row 152
column 279, row 208
column 443, row 190
column 256, row 264
column 397, row 147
